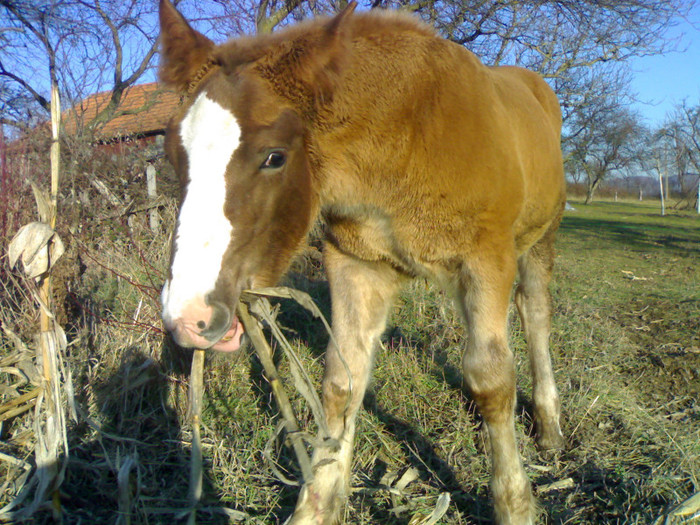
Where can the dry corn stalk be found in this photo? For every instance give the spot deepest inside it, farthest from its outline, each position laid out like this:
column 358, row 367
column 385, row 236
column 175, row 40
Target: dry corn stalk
column 265, row 354
column 19, row 405
column 260, row 306
column 252, row 309
column 195, row 414
column 39, row 248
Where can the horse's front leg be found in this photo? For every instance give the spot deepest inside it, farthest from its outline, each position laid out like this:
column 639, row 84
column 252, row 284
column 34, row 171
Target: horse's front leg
column 361, row 293
column 489, row 373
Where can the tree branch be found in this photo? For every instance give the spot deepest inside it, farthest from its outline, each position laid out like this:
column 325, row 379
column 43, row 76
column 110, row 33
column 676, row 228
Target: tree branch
column 43, row 102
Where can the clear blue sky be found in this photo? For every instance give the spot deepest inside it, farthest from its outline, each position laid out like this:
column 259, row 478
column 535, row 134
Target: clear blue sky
column 669, row 79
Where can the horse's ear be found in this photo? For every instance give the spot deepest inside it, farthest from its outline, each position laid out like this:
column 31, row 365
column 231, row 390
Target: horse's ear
column 338, row 22
column 326, row 65
column 184, row 51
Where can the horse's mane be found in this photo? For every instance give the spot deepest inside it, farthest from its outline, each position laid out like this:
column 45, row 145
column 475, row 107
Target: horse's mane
column 246, row 49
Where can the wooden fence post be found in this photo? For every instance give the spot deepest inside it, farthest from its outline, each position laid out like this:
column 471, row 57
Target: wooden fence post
column 153, row 215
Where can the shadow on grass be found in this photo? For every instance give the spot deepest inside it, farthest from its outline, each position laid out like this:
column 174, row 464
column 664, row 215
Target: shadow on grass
column 636, row 235
column 592, row 480
column 133, row 439
column 434, row 470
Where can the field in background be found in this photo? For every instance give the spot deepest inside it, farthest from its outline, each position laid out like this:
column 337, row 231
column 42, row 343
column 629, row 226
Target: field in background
column 626, row 350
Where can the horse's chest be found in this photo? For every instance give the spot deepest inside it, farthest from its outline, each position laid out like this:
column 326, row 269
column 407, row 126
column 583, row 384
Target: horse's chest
column 368, row 234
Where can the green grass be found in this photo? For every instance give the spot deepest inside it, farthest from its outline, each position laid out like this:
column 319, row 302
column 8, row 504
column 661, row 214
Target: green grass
column 626, row 335
column 626, row 351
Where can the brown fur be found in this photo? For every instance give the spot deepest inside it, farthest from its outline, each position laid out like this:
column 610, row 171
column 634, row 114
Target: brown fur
column 422, row 162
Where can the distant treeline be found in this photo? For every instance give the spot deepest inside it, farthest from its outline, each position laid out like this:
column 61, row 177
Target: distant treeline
column 649, row 186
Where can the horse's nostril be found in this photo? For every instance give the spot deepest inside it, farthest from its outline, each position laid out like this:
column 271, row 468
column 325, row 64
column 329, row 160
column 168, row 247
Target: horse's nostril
column 201, row 325
column 219, row 322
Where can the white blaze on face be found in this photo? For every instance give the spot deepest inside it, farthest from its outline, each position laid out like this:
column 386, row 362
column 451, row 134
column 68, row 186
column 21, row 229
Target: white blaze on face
column 210, row 134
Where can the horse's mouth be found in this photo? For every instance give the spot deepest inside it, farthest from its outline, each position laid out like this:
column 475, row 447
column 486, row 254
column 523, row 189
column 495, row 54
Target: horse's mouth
column 231, row 340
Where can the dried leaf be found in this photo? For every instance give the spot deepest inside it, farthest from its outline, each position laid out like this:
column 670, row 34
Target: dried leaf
column 61, row 339
column 20, row 347
column 265, row 354
column 51, row 447
column 106, row 192
column 39, row 247
column 261, row 307
column 562, row 484
column 688, row 507
column 284, row 292
column 441, row 506
column 307, row 302
column 408, row 477
column 7, row 391
column 28, row 241
column 43, row 203
column 125, row 482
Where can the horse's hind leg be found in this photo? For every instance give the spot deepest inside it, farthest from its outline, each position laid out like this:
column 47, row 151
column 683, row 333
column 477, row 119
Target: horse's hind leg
column 489, row 373
column 362, row 293
column 533, row 301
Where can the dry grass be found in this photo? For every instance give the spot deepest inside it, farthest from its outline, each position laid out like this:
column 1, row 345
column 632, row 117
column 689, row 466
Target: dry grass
column 627, row 360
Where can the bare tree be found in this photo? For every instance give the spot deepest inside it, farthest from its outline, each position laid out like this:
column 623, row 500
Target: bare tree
column 121, row 27
column 679, row 140
column 107, row 45
column 688, row 118
column 34, row 27
column 80, row 45
column 606, row 145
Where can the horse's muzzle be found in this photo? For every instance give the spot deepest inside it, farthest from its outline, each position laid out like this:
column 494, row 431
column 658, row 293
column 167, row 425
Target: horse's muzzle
column 208, row 327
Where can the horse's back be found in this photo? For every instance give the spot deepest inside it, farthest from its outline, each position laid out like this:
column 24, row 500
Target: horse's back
column 536, row 124
column 445, row 146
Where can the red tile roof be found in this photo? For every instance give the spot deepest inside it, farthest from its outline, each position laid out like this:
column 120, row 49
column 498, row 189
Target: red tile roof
column 144, row 109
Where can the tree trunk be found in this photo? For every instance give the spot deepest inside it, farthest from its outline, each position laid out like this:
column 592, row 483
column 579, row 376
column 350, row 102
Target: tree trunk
column 592, row 186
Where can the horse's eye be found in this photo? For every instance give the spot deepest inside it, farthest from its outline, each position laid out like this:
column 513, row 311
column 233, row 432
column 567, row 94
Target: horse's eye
column 274, row 160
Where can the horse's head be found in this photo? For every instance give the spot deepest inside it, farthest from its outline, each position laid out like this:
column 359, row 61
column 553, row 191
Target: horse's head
column 239, row 146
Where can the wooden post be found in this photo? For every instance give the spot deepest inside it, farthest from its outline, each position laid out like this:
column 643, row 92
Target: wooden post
column 661, row 186
column 153, row 215
column 664, row 190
